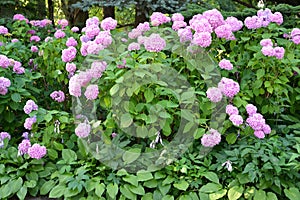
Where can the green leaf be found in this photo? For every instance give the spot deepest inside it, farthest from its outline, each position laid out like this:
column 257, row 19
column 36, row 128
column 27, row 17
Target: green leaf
column 260, row 73
column 68, row 155
column 122, row 172
column 235, row 192
column 131, row 179
column 16, row 184
column 22, row 192
column 46, row 187
column 271, row 196
column 114, row 89
column 137, row 190
column 112, row 190
column 16, row 97
column 126, row 192
column 181, row 185
column 131, row 155
column 211, row 176
column 168, row 197
column 231, row 138
column 210, row 188
column 57, row 191
column 99, row 189
column 217, row 195
column 141, row 131
column 126, row 120
column 292, row 193
column 148, row 95
column 143, row 175
column 260, row 195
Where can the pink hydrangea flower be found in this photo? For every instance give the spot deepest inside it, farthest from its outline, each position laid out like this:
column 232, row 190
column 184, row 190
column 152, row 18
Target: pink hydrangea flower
column 74, row 86
column 29, row 122
column 267, row 50
column 279, row 52
column 158, row 18
column 232, row 110
column 59, row 34
column 71, row 67
column 253, row 22
column 214, row 94
column 256, row 121
column 3, row 30
column 185, row 34
column 4, row 61
column 92, row 31
column 108, row 24
column 91, row 92
column 266, row 42
column 92, row 21
column 71, row 42
column 34, row 49
column 134, row 46
column 83, row 130
column 224, row 31
column 58, row 96
column 178, row 24
column 295, row 35
column 30, row 106
column 154, row 43
column 14, row 40
column 37, row 151
column 23, row 147
column 63, row 23
column 177, row 17
column 94, row 48
column 4, row 84
column 104, row 38
column 225, row 64
column 4, row 135
column 17, row 68
column 134, row 33
column 35, row 38
column 266, row 129
column 214, row 17
column 259, row 134
column 228, row 87
column 68, row 54
column 20, row 17
column 202, row 39
column 211, row 139
column 143, row 27
column 251, row 109
column 277, row 18
column 75, row 29
column 201, row 25
column 235, row 24
column 236, row 120
column 97, row 68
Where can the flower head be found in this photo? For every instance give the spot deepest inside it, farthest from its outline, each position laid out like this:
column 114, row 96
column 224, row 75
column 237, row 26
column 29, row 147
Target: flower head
column 83, row 130
column 214, row 94
column 211, row 139
column 37, row 151
column 30, row 106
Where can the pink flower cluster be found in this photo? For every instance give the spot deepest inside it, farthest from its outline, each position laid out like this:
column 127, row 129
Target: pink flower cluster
column 4, row 61
column 185, row 34
column 263, row 19
column 71, row 42
column 225, row 64
column 17, row 68
column 29, row 122
column 71, row 68
column 257, row 122
column 3, row 30
column 154, row 43
column 68, row 54
column 4, row 135
column 58, row 96
column 59, row 34
column 228, row 87
column 158, row 18
column 91, row 92
column 34, row 49
column 35, row 38
column 63, row 23
column 139, row 30
column 234, row 116
column 4, row 84
column 269, row 50
column 295, row 35
column 211, row 139
column 214, row 94
column 40, row 23
column 134, row 46
column 35, row 151
column 108, row 24
column 20, row 17
column 83, row 130
column 30, row 106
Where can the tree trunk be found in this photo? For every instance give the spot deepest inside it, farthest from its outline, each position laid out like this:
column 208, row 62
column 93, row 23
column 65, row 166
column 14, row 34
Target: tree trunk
column 109, row 11
column 75, row 16
column 140, row 13
column 51, row 10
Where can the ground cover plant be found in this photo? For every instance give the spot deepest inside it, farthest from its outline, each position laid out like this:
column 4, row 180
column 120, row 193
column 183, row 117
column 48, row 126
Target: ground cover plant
column 172, row 109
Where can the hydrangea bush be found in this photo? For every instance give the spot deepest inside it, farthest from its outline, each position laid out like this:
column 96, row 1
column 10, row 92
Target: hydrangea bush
column 69, row 93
